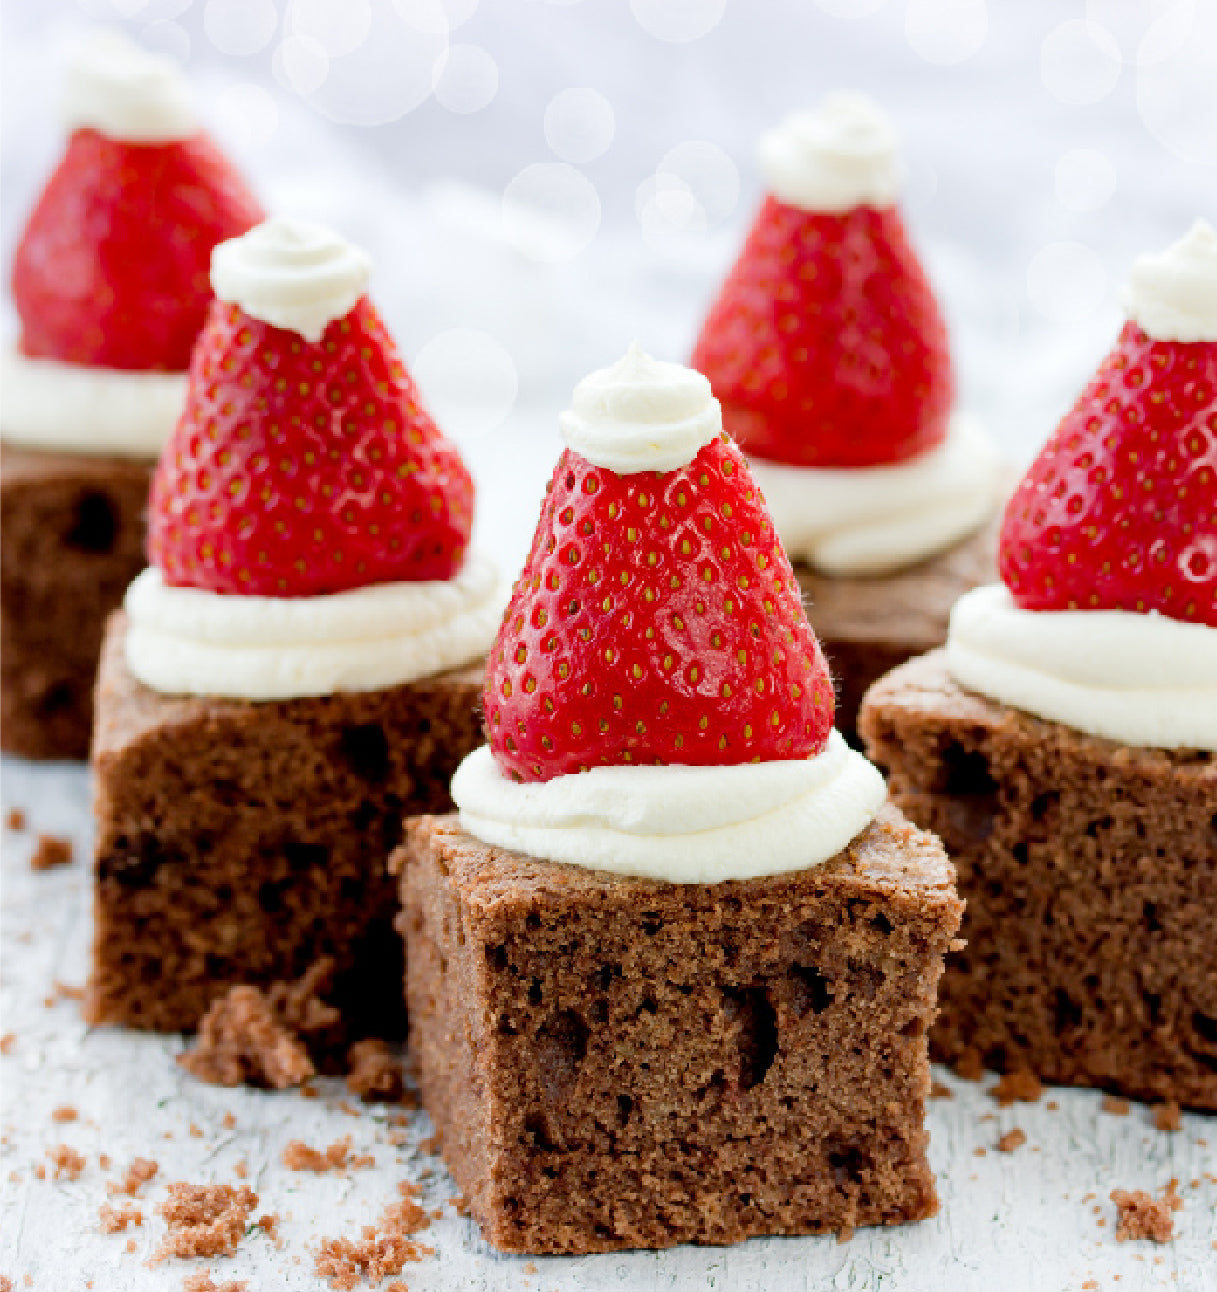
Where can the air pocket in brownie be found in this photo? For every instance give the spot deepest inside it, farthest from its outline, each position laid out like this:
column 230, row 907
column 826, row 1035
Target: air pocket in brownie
column 291, row 675
column 828, row 351
column 672, row 966
column 1065, row 743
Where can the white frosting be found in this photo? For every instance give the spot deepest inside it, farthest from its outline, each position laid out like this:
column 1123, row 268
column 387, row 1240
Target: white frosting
column 291, row 274
column 641, row 415
column 873, row 520
column 1141, row 679
column 185, row 641
column 115, row 86
column 45, row 404
column 841, row 155
column 686, row 825
column 1173, row 295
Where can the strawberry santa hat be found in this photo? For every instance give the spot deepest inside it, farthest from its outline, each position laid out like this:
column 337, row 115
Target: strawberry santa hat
column 825, row 346
column 1119, row 509
column 111, row 270
column 304, row 462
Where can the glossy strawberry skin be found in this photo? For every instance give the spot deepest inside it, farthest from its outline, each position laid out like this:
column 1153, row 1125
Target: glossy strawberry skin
column 299, row 469
column 113, row 268
column 1119, row 510
column 657, row 620
column 825, row 346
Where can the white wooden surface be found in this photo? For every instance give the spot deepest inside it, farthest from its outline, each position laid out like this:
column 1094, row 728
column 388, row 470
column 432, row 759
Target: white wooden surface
column 1027, row 1220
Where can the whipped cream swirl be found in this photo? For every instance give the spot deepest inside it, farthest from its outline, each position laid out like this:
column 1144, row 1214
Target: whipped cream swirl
column 641, row 415
column 685, row 825
column 1172, row 296
column 73, row 408
column 186, row 641
column 1141, row 679
column 874, row 520
column 841, row 155
column 291, row 274
column 126, row 92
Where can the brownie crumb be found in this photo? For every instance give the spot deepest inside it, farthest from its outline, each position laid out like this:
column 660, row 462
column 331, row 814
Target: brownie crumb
column 1167, row 1116
column 459, row 1203
column 373, row 1073
column 1116, row 1105
column 138, row 1174
column 114, row 1220
column 229, row 1121
column 531, row 1268
column 64, row 1113
column 969, row 1066
column 261, row 1038
column 1017, row 1087
column 1141, row 1216
column 7, row 1041
column 203, row 1282
column 433, row 1145
column 67, row 1162
column 15, row 819
column 940, row 1090
column 51, row 850
column 204, row 1219
column 67, row 991
column 382, row 1250
column 268, row 1223
column 299, row 1156
column 241, row 1170
column 1011, row 1140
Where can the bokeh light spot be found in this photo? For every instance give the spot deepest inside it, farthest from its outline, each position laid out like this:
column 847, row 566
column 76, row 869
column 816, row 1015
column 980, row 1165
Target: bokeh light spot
column 946, row 31
column 1066, row 281
column 1079, row 62
column 579, row 124
column 468, row 80
column 240, row 26
column 247, row 113
column 468, row 380
column 1085, row 179
column 678, row 21
column 551, row 211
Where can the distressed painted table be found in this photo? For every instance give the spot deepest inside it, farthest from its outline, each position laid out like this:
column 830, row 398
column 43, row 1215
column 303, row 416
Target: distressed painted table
column 1035, row 1219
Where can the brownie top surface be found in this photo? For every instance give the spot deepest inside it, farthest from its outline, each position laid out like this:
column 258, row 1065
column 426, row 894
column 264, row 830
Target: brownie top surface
column 890, row 857
column 127, row 709
column 21, row 465
column 924, row 689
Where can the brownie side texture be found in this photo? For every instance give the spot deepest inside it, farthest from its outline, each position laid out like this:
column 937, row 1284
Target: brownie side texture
column 867, row 626
column 71, row 540
column 615, row 1062
column 1090, row 873
column 241, row 842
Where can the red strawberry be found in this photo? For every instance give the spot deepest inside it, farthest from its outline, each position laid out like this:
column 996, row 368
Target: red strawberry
column 113, row 267
column 825, row 346
column 657, row 620
column 299, row 469
column 1119, row 511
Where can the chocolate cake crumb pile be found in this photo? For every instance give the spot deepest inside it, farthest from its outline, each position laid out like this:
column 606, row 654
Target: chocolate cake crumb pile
column 261, row 1038
column 1139, row 1215
column 299, row 1156
column 1116, row 1105
column 969, row 1066
column 204, row 1219
column 138, row 1174
column 50, row 851
column 1167, row 1116
column 203, row 1282
column 67, row 1162
column 1012, row 1139
column 373, row 1073
column 1017, row 1087
column 114, row 1220
column 383, row 1249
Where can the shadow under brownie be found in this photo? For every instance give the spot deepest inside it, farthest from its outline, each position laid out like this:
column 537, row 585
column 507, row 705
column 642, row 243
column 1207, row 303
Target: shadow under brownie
column 1089, row 869
column 615, row 1062
column 71, row 540
column 243, row 842
column 867, row 626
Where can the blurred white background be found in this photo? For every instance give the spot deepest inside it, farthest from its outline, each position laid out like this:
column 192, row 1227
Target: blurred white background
column 541, row 180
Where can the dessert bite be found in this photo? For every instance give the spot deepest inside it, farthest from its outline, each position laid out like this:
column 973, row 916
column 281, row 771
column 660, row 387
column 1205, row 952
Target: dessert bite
column 828, row 353
column 294, row 672
column 672, row 965
column 110, row 285
column 1064, row 744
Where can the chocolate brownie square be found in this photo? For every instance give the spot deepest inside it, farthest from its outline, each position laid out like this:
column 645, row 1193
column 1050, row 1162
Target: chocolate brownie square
column 1090, row 874
column 869, row 625
column 616, row 1062
column 244, row 842
column 71, row 540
